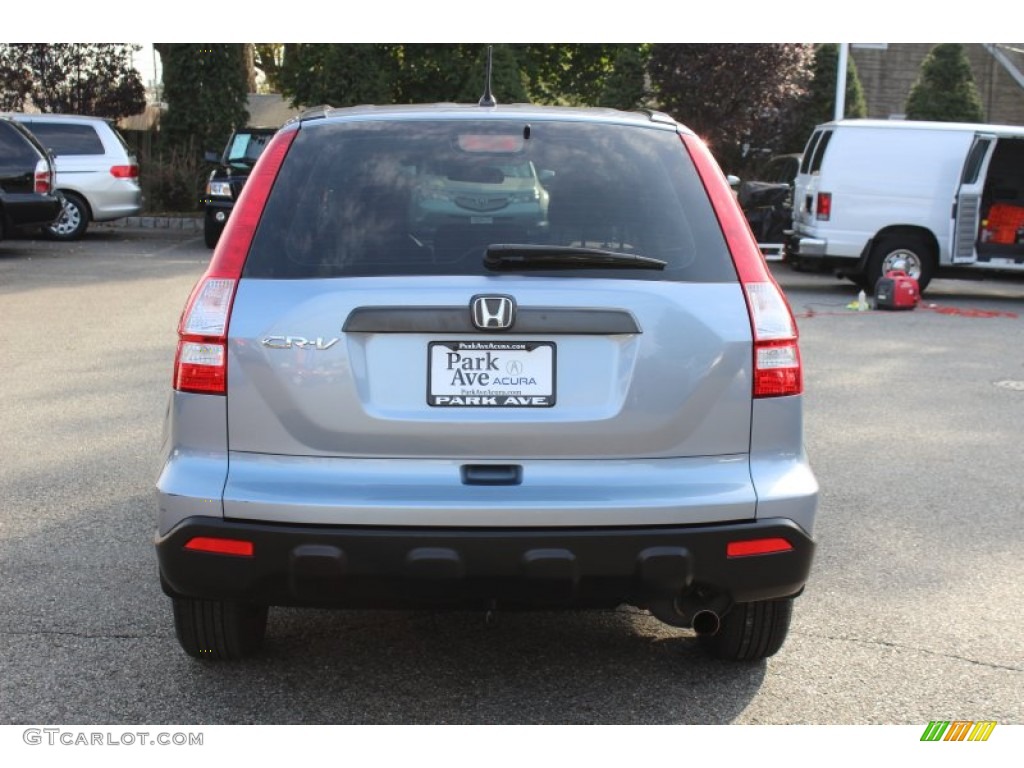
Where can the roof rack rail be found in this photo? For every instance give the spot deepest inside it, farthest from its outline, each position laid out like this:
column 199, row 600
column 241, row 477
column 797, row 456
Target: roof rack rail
column 315, row 113
column 657, row 116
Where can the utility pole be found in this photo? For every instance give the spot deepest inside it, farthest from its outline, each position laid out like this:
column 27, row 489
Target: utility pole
column 844, row 53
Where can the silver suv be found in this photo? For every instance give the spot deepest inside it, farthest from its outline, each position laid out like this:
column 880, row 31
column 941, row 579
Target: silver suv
column 597, row 406
column 97, row 173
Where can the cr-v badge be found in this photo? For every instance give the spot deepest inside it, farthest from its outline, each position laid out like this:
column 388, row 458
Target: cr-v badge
column 287, row 342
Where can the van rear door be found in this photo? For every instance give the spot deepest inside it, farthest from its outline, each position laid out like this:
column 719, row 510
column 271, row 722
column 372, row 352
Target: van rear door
column 967, row 211
column 808, row 180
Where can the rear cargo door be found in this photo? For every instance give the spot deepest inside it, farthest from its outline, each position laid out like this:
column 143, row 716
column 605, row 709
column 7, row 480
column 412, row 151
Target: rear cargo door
column 967, row 207
column 388, row 367
column 409, row 317
column 808, row 181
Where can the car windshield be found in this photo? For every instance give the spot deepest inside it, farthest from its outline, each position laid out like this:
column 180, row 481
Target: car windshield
column 246, row 148
column 429, row 197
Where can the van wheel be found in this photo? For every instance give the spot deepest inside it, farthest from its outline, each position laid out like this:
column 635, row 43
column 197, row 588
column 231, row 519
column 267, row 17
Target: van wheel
column 73, row 219
column 751, row 631
column 212, row 629
column 909, row 253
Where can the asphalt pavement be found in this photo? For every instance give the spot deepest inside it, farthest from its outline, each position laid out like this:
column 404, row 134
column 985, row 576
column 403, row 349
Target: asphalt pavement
column 913, row 612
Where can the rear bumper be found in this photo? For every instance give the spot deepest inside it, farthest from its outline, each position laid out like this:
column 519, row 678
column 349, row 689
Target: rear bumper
column 372, row 567
column 26, row 211
column 800, row 246
column 115, row 200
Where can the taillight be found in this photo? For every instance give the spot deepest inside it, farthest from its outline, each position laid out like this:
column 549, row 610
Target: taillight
column 201, row 362
column 823, row 210
column 125, row 171
column 43, row 178
column 777, row 367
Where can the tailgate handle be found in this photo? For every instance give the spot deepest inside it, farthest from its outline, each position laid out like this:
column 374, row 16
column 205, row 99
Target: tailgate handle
column 491, row 474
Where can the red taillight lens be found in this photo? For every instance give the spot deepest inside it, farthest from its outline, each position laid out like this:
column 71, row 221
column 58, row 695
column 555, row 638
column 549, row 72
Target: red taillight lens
column 125, row 171
column 757, row 547
column 43, row 179
column 823, row 210
column 219, row 546
column 201, row 363
column 777, row 368
column 200, row 367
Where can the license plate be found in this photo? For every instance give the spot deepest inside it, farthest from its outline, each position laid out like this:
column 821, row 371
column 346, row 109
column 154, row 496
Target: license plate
column 493, row 374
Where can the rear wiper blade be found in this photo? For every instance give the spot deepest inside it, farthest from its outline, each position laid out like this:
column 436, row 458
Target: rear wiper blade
column 508, row 256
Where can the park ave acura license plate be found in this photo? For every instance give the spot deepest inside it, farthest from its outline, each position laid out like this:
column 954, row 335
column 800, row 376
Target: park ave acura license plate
column 495, row 374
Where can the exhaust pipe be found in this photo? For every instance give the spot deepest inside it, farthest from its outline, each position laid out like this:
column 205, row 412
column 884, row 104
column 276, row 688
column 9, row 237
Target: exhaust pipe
column 706, row 623
column 696, row 610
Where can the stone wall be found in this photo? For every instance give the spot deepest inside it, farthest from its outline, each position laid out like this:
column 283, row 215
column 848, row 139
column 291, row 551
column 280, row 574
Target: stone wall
column 888, row 75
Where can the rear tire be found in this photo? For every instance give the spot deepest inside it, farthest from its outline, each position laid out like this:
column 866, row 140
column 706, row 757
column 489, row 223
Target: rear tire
column 211, row 233
column 751, row 631
column 212, row 629
column 73, row 219
column 910, row 253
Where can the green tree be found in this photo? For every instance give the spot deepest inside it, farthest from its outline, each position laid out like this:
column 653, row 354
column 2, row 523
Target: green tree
column 819, row 103
column 74, row 78
column 585, row 74
column 945, row 89
column 205, row 88
column 625, row 86
column 267, row 58
column 338, row 74
column 735, row 96
column 347, row 74
column 433, row 73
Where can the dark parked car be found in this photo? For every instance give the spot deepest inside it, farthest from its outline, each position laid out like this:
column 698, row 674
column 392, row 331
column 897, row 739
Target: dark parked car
column 767, row 203
column 226, row 180
column 27, row 197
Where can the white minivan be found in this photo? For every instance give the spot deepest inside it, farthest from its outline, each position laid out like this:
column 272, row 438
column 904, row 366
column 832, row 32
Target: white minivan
column 926, row 197
column 97, row 172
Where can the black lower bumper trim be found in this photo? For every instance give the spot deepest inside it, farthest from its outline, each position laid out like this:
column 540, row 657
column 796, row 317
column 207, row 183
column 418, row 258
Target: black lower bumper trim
column 395, row 567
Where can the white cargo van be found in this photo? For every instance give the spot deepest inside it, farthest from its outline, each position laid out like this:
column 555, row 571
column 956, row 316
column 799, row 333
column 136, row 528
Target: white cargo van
column 929, row 198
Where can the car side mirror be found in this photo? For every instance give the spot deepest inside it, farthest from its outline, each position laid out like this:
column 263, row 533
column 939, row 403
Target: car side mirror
column 546, row 174
column 212, row 157
column 734, row 181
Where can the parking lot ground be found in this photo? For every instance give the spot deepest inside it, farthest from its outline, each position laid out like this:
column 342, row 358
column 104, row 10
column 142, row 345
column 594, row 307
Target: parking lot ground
column 913, row 612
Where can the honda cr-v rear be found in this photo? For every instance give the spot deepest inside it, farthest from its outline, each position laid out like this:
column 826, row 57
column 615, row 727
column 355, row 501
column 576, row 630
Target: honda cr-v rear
column 597, row 404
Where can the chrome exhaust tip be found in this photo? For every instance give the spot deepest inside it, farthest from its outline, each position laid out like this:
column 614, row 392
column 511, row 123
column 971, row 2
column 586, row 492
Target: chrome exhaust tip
column 706, row 623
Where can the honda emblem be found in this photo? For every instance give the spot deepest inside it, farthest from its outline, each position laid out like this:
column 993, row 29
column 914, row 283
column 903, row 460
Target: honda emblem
column 492, row 313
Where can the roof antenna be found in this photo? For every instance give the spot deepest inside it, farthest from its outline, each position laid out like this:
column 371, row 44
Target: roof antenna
column 488, row 100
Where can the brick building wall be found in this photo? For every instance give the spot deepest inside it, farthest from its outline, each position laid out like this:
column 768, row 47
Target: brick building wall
column 887, row 76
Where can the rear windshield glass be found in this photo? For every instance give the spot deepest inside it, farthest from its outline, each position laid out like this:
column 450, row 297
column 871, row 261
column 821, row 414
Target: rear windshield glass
column 68, row 139
column 428, row 197
column 16, row 151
